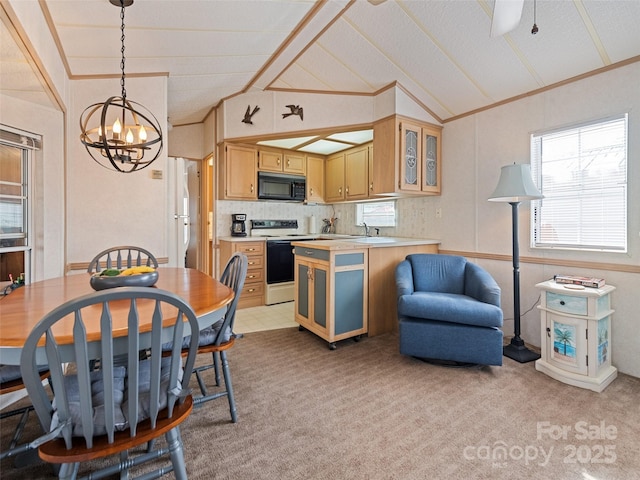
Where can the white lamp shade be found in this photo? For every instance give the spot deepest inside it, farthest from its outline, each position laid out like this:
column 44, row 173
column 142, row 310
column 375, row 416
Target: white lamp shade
column 515, row 185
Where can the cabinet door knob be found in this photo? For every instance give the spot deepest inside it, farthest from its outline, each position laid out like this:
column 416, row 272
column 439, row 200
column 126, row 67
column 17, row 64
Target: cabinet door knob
column 561, row 302
column 252, row 188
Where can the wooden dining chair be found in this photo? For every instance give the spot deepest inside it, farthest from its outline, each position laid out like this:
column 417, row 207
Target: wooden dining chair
column 122, row 257
column 115, row 407
column 219, row 338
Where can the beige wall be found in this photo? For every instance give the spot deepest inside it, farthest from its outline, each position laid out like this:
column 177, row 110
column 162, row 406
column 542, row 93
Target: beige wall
column 186, row 141
column 474, row 149
column 105, row 207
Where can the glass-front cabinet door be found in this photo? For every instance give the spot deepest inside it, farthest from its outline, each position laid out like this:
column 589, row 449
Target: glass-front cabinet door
column 431, row 160
column 410, row 154
column 420, row 158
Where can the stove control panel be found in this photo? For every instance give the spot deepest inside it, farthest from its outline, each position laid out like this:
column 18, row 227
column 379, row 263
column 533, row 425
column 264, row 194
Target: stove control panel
column 274, row 224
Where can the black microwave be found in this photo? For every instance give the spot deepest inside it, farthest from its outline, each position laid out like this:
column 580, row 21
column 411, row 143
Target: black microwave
column 279, row 186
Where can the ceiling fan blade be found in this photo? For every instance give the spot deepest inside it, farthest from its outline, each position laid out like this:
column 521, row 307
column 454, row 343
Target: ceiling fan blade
column 506, row 16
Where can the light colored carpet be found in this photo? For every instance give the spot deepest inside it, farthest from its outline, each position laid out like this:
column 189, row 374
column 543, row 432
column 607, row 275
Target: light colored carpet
column 364, row 411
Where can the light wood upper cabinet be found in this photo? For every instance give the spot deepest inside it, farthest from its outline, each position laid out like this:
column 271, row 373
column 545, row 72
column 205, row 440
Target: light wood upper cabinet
column 356, row 173
column 334, row 178
column 315, row 179
column 239, row 173
column 272, row 160
column 408, row 157
column 269, row 160
column 348, row 175
column 294, row 163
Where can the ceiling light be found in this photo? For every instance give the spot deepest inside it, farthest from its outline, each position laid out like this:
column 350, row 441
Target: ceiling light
column 357, row 138
column 119, row 132
column 288, row 143
column 324, row 147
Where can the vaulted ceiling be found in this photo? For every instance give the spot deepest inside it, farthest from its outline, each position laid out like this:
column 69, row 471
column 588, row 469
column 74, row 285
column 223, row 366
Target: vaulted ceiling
column 439, row 51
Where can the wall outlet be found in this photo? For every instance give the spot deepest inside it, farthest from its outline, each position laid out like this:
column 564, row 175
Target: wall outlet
column 438, row 213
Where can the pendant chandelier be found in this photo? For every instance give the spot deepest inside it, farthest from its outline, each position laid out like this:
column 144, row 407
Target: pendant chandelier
column 119, row 132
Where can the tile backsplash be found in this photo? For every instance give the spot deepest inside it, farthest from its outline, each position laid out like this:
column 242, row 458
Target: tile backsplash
column 415, row 216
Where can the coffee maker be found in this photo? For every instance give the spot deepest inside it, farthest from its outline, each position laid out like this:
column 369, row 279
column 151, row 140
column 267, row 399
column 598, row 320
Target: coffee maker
column 237, row 225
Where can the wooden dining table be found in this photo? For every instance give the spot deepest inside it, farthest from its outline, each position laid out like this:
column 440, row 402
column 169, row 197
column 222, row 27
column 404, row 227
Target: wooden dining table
column 23, row 308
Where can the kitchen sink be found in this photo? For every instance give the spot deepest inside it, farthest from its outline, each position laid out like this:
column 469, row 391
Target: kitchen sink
column 373, row 240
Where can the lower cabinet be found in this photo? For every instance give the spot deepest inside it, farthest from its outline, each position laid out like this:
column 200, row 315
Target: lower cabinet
column 331, row 292
column 252, row 294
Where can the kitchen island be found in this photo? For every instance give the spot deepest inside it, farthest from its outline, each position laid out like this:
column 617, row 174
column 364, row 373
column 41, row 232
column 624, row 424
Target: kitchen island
column 356, row 293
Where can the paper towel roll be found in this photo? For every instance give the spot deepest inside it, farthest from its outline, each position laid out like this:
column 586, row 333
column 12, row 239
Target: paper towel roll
column 313, row 226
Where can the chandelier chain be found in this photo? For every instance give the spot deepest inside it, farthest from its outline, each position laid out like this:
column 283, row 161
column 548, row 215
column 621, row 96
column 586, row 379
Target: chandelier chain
column 124, row 90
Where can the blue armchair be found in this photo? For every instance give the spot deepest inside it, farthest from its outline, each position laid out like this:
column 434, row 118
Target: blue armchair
column 448, row 310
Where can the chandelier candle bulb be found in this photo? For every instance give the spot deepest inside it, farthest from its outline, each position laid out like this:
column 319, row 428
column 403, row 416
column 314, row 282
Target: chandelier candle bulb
column 117, row 128
column 142, row 134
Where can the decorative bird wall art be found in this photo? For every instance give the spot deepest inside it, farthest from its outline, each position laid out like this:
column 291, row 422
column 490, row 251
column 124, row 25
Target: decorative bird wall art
column 295, row 110
column 248, row 114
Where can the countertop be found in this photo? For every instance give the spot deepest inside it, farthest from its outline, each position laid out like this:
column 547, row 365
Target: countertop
column 315, row 236
column 326, row 241
column 343, row 242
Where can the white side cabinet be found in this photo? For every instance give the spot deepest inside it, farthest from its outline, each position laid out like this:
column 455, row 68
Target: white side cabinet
column 576, row 335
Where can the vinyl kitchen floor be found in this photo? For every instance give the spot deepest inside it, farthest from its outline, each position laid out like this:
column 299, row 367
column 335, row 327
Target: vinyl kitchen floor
column 267, row 317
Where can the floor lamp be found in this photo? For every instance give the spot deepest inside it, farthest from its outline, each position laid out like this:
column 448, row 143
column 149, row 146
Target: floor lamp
column 516, row 185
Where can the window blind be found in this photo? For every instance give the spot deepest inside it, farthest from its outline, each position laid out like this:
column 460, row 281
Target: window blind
column 582, row 173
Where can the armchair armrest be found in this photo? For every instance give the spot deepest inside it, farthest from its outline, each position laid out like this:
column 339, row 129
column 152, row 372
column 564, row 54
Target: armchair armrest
column 404, row 278
column 479, row 284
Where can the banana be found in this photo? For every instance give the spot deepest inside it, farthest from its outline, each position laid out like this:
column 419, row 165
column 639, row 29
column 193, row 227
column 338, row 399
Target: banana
column 137, row 270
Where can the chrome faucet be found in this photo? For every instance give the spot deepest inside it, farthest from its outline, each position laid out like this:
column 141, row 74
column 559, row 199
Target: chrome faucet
column 366, row 229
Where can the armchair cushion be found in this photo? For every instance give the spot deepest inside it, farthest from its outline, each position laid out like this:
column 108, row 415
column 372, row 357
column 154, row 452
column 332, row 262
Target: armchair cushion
column 448, row 307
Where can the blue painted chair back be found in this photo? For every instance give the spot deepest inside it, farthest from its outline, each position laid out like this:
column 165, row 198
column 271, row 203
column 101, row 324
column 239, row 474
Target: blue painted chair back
column 122, row 257
column 99, row 400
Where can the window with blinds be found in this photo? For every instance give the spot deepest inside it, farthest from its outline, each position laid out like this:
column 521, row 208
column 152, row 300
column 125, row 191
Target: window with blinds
column 376, row 214
column 582, row 173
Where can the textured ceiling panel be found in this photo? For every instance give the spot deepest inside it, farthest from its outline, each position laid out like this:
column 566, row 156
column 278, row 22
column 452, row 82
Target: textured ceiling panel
column 337, row 73
column 616, row 26
column 439, row 51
